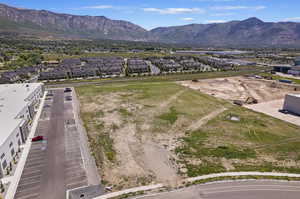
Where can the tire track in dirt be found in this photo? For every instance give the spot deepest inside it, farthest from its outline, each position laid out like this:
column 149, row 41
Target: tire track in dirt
column 205, row 119
column 156, row 157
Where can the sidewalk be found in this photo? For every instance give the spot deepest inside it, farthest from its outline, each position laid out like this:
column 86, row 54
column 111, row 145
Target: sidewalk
column 18, row 172
column 232, row 174
column 88, row 159
column 132, row 190
column 204, row 177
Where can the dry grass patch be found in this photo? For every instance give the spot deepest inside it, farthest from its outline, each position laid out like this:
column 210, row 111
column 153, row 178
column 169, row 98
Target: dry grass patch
column 139, row 134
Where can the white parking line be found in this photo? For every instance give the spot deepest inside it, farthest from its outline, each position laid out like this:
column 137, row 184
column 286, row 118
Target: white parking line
column 31, row 178
column 39, row 172
column 36, row 166
column 29, row 196
column 32, row 185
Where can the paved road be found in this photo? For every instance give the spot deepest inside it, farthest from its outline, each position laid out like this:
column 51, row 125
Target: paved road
column 235, row 190
column 54, row 165
column 54, row 186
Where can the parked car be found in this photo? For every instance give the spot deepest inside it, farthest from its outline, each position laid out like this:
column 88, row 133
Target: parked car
column 49, row 94
column 283, row 111
column 47, row 106
column 108, row 188
column 68, row 90
column 68, row 98
column 37, row 138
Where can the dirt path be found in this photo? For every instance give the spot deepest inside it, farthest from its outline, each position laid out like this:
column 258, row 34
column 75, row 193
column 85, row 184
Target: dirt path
column 157, row 159
column 205, row 119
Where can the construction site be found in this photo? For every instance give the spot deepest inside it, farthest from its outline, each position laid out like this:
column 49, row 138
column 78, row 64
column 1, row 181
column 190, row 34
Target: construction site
column 261, row 95
column 243, row 90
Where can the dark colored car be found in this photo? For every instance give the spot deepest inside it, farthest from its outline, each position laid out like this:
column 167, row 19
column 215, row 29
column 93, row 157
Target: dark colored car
column 37, row 138
column 49, row 94
column 69, row 98
column 283, row 111
column 68, row 90
column 47, row 106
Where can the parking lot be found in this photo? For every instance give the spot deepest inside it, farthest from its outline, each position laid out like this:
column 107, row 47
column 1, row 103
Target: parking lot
column 54, row 164
column 272, row 108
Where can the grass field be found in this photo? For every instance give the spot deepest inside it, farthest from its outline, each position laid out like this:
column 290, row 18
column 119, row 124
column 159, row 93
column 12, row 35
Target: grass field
column 144, row 132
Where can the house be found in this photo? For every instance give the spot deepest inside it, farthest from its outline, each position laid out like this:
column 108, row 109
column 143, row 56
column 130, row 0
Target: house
column 137, row 66
column 10, row 77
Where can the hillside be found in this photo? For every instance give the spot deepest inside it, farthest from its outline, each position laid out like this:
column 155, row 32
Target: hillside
column 251, row 32
column 34, row 21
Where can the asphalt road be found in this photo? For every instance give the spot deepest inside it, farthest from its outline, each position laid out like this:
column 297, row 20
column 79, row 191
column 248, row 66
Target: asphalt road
column 235, row 190
column 54, row 186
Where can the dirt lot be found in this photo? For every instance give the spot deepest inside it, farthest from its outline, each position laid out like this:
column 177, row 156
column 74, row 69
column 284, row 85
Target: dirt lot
column 134, row 128
column 240, row 88
column 142, row 133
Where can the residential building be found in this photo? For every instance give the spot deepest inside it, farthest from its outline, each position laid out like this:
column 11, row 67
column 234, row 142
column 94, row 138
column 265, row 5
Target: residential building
column 18, row 105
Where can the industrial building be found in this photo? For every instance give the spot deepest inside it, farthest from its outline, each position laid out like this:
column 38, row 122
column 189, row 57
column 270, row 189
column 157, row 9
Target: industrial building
column 292, row 103
column 295, row 70
column 297, row 61
column 282, row 69
column 18, row 105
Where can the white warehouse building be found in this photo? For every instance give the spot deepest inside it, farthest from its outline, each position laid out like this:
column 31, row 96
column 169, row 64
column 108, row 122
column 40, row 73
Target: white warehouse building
column 18, row 104
column 292, row 103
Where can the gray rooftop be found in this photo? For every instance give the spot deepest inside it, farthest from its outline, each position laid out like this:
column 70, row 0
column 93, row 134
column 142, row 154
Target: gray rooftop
column 13, row 99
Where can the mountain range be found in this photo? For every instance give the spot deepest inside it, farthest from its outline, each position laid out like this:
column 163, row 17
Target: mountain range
column 251, row 32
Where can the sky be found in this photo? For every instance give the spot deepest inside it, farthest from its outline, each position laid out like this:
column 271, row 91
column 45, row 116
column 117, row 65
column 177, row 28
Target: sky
column 157, row 13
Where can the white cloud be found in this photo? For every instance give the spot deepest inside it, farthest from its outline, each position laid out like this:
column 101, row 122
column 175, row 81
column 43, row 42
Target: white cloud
column 292, row 19
column 188, row 19
column 222, row 14
column 215, row 21
column 99, row 7
column 175, row 10
column 238, row 7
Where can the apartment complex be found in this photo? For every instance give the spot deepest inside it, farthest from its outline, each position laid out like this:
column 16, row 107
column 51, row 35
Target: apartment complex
column 18, row 105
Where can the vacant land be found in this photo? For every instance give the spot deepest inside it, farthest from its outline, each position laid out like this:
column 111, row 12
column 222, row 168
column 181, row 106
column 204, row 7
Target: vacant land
column 162, row 132
column 240, row 88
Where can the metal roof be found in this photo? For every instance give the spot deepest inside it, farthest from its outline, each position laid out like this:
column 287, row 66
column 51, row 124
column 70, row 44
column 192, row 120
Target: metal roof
column 295, row 95
column 13, row 99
